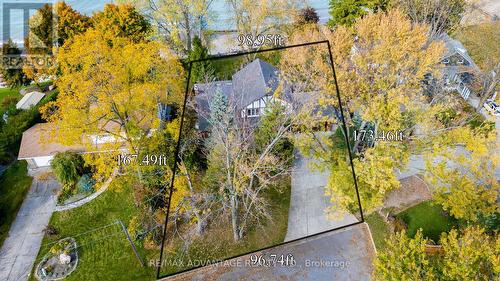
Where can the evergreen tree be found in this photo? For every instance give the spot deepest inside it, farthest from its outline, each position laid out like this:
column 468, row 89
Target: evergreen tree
column 346, row 12
column 203, row 68
column 218, row 107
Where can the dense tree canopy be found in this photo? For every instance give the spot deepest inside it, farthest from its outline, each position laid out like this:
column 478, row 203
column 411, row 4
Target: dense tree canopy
column 470, row 254
column 11, row 68
column 122, row 21
column 112, row 88
column 346, row 12
column 369, row 68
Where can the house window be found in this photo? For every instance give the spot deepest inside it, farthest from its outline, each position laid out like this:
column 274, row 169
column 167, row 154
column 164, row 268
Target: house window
column 253, row 112
column 460, row 61
column 446, row 61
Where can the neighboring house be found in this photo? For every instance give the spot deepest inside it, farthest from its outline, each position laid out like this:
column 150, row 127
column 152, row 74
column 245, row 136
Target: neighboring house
column 29, row 100
column 29, row 89
column 38, row 150
column 459, row 67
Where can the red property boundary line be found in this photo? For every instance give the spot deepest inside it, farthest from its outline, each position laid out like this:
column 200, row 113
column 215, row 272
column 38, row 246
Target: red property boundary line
column 171, row 188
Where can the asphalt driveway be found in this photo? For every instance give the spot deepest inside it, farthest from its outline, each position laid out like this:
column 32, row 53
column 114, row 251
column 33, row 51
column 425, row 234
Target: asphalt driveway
column 308, row 202
column 345, row 254
column 20, row 249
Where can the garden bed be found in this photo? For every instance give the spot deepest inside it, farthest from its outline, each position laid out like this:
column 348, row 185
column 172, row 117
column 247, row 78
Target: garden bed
column 59, row 262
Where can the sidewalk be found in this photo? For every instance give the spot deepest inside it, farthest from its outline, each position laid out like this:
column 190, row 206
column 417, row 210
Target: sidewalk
column 346, row 254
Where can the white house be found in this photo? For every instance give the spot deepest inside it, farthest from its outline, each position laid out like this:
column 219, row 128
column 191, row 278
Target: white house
column 458, row 67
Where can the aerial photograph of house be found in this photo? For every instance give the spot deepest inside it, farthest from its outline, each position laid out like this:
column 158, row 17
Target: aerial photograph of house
column 250, row 140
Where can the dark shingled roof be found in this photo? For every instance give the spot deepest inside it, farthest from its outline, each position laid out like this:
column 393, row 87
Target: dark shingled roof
column 254, row 81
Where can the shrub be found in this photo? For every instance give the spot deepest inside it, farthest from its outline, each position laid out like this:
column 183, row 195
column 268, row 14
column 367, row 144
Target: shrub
column 51, row 231
column 66, row 193
column 85, row 184
column 399, row 225
column 67, row 167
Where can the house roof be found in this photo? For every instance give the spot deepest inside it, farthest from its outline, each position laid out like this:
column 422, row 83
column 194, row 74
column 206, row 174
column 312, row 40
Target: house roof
column 29, row 100
column 454, row 46
column 256, row 80
column 35, row 142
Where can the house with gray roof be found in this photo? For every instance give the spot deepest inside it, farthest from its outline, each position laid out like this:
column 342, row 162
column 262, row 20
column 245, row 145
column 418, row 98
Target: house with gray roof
column 459, row 68
column 252, row 89
column 249, row 90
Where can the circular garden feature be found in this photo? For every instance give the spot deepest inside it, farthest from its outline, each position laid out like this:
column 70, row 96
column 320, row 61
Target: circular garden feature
column 59, row 262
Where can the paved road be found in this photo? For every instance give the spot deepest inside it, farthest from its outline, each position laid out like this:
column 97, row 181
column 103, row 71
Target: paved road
column 308, row 202
column 20, row 249
column 345, row 254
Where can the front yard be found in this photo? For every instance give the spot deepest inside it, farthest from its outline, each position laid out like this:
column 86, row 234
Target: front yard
column 104, row 252
column 217, row 242
column 379, row 229
column 14, row 185
column 427, row 216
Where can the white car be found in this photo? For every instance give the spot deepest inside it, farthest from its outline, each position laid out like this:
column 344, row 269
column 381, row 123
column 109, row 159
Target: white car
column 492, row 107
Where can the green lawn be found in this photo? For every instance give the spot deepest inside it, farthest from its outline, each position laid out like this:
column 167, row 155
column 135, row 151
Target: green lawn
column 429, row 217
column 378, row 228
column 14, row 92
column 14, row 185
column 104, row 254
column 8, row 92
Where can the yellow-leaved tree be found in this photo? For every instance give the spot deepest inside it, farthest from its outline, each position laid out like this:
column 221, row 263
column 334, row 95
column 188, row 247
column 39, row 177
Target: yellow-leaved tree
column 460, row 165
column 380, row 64
column 109, row 94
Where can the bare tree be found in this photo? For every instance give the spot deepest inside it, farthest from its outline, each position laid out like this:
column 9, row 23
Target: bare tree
column 178, row 20
column 488, row 81
column 238, row 169
column 441, row 15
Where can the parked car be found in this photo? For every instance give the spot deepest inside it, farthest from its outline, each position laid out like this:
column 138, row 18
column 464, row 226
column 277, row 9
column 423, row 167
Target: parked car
column 492, row 107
